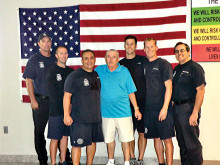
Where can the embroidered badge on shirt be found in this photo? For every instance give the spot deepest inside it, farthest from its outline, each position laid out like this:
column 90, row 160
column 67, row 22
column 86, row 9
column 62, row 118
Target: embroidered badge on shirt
column 86, row 82
column 41, row 64
column 155, row 69
column 59, row 77
column 139, row 63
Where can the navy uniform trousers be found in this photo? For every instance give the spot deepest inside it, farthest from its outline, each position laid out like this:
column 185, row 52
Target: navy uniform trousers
column 40, row 118
column 187, row 136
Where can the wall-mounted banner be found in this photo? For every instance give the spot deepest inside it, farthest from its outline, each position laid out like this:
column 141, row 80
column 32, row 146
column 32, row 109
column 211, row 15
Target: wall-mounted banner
column 205, row 30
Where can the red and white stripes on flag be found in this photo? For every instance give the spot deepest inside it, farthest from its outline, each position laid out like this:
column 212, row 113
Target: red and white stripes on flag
column 104, row 27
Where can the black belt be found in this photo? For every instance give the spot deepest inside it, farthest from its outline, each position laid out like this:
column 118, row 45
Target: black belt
column 184, row 101
column 41, row 96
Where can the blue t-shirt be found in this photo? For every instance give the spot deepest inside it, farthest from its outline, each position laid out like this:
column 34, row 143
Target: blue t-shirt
column 36, row 70
column 115, row 88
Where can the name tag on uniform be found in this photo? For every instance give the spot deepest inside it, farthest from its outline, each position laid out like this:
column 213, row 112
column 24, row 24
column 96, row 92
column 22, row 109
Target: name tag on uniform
column 186, row 72
column 155, row 69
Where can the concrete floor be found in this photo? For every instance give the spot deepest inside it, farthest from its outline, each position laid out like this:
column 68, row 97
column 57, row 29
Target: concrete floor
column 176, row 162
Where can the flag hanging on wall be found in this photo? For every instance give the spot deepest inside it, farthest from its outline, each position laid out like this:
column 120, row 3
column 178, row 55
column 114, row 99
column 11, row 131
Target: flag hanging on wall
column 101, row 27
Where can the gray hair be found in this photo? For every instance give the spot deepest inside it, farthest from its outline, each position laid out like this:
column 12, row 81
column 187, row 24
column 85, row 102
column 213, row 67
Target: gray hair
column 112, row 50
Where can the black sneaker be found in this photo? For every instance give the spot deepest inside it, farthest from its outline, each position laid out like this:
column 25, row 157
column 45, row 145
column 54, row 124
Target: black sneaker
column 64, row 163
column 43, row 163
column 69, row 161
column 133, row 161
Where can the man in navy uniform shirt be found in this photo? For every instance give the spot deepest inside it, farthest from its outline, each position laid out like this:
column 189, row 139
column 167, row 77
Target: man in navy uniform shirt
column 57, row 130
column 158, row 119
column 83, row 87
column 188, row 93
column 35, row 75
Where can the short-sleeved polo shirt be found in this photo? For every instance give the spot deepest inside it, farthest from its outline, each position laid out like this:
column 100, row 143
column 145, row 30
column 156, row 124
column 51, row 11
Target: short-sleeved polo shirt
column 115, row 89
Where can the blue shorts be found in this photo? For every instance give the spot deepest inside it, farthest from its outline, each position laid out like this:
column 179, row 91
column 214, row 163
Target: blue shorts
column 56, row 128
column 158, row 129
column 84, row 134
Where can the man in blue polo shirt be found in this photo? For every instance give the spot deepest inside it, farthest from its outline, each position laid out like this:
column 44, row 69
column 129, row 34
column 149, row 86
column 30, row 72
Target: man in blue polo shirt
column 117, row 87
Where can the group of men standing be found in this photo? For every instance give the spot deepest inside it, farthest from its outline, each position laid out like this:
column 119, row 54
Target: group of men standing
column 134, row 93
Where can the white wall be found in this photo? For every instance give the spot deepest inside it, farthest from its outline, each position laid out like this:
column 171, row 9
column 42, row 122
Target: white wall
column 18, row 116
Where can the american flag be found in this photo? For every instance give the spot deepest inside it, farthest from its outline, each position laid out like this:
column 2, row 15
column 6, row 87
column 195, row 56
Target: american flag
column 101, row 27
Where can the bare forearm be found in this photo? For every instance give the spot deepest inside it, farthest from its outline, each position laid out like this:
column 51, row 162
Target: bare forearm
column 193, row 119
column 199, row 98
column 66, row 106
column 66, row 103
column 168, row 93
column 133, row 100
column 167, row 97
column 30, row 89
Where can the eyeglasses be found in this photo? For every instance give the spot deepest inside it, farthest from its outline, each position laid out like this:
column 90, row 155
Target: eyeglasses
column 181, row 50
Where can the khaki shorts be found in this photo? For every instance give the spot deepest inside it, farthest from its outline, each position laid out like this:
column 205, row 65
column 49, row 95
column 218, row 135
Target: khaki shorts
column 124, row 127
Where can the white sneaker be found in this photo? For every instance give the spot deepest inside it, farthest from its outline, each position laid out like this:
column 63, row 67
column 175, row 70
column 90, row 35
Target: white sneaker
column 110, row 163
